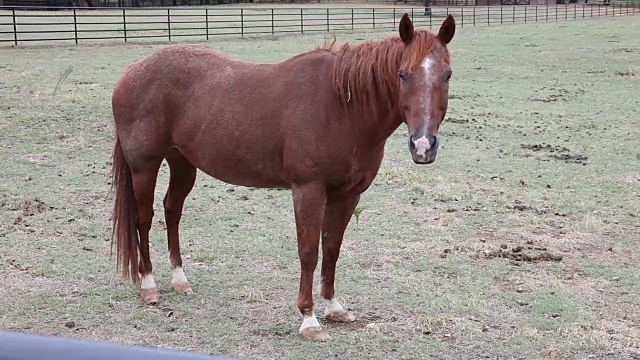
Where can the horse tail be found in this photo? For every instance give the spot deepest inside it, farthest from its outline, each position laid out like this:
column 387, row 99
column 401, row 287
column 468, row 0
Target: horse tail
column 125, row 229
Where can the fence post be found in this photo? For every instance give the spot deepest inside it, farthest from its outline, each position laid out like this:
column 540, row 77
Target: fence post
column 75, row 26
column 525, row 14
column 273, row 28
column 351, row 18
column 394, row 18
column 547, row 14
column 556, row 12
column 169, row 23
column 513, row 18
column 15, row 28
column 124, row 24
column 373, row 13
column 536, row 13
column 575, row 10
column 206, row 21
column 462, row 17
column 301, row 22
column 328, row 22
column 488, row 16
column 241, row 22
column 474, row 16
column 566, row 12
column 501, row 15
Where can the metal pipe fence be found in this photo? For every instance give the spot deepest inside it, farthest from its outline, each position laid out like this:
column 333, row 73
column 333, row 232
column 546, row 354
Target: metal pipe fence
column 196, row 24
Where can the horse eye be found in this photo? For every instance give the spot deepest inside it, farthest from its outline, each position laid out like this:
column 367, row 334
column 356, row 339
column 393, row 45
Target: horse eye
column 449, row 76
column 403, row 75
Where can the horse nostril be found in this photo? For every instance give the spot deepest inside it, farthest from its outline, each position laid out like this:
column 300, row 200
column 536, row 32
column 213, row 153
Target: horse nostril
column 433, row 140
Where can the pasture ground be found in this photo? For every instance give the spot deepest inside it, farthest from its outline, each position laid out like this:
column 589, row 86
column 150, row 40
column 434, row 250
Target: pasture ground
column 540, row 151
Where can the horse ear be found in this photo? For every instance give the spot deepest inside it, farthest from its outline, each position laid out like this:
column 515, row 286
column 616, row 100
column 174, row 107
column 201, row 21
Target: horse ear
column 406, row 29
column 447, row 30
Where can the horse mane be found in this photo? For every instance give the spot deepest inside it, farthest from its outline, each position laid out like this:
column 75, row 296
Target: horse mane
column 365, row 71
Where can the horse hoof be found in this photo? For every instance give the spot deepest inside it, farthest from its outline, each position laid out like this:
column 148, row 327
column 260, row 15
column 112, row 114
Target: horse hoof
column 342, row 316
column 183, row 288
column 315, row 333
column 149, row 296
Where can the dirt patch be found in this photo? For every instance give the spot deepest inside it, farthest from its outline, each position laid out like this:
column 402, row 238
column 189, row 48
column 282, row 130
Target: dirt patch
column 633, row 180
column 544, row 147
column 626, row 73
column 28, row 207
column 624, row 50
column 32, row 207
column 569, row 158
column 555, row 97
column 529, row 253
column 457, row 120
column 557, row 153
column 521, row 206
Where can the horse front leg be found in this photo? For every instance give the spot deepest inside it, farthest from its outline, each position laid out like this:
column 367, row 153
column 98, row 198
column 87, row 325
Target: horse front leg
column 309, row 203
column 336, row 219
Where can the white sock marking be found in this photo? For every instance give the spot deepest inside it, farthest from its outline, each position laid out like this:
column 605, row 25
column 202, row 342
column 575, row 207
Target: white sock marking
column 333, row 306
column 177, row 276
column 147, row 282
column 309, row 322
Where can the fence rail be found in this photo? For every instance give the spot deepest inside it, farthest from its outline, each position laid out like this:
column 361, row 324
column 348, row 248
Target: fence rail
column 127, row 24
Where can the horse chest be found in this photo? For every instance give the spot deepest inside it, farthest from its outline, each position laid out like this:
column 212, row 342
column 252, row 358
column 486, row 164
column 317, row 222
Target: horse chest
column 362, row 172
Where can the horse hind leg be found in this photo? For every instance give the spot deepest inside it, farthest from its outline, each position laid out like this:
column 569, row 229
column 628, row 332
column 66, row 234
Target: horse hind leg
column 181, row 180
column 144, row 183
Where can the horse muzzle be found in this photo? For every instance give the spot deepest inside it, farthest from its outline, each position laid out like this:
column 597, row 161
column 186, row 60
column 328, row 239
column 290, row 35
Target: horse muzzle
column 423, row 148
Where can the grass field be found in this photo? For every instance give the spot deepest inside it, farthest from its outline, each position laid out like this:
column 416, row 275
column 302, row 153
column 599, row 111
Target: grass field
column 540, row 155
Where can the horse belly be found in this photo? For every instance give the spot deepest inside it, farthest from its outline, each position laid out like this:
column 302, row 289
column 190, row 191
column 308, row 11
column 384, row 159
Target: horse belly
column 240, row 168
column 260, row 176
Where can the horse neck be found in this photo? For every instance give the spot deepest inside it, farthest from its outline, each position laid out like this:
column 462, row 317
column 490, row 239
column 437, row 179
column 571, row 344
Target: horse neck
column 366, row 80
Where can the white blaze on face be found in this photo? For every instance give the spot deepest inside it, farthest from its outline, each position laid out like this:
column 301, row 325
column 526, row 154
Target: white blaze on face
column 429, row 79
column 422, row 144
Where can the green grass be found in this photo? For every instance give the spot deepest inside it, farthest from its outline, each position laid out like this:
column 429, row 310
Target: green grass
column 414, row 271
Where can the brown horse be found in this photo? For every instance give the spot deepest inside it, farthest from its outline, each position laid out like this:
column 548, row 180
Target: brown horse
column 316, row 123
